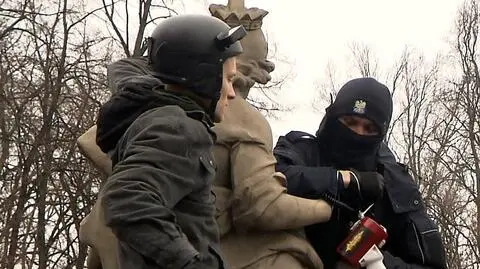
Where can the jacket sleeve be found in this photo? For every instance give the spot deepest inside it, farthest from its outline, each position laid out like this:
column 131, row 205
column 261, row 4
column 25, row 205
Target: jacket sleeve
column 158, row 167
column 130, row 70
column 416, row 244
column 260, row 195
column 303, row 180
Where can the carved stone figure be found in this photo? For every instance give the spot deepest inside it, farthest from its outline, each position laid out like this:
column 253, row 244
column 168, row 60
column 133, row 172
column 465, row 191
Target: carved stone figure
column 260, row 223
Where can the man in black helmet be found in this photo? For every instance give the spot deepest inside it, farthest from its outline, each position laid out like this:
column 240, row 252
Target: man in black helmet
column 157, row 200
column 347, row 163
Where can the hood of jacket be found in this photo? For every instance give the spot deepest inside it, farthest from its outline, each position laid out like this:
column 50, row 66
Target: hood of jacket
column 125, row 106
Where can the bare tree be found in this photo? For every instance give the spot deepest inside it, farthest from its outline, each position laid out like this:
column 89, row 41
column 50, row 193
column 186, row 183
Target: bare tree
column 130, row 34
column 263, row 96
column 52, row 82
column 365, row 64
column 365, row 61
column 463, row 102
column 44, row 58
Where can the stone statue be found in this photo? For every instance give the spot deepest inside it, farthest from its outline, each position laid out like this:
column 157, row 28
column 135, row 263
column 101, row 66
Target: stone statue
column 252, row 63
column 260, row 224
column 259, row 221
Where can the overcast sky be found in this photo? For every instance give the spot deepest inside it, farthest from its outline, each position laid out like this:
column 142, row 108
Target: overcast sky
column 312, row 33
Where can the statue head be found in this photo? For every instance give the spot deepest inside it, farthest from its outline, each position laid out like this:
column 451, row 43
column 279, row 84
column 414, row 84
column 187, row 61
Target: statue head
column 250, row 71
column 252, row 65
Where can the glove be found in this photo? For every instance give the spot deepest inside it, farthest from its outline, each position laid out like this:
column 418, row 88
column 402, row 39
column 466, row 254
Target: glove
column 367, row 185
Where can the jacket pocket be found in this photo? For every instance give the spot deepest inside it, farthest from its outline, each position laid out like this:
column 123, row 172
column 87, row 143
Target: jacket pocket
column 425, row 241
column 208, row 167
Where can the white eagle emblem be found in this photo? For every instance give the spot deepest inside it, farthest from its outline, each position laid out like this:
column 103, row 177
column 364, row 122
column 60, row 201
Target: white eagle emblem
column 359, row 107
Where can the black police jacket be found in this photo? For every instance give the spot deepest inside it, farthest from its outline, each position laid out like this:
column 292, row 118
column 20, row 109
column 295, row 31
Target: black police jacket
column 413, row 238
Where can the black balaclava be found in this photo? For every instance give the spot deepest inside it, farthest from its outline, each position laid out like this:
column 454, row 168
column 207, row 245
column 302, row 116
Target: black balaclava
column 364, row 97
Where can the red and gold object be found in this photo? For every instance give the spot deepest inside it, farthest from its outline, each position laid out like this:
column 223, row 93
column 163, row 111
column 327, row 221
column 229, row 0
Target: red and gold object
column 361, row 247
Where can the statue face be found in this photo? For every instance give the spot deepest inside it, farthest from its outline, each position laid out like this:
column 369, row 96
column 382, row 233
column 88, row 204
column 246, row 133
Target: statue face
column 249, row 72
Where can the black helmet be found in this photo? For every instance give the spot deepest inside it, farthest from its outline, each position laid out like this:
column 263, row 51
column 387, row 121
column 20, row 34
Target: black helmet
column 190, row 50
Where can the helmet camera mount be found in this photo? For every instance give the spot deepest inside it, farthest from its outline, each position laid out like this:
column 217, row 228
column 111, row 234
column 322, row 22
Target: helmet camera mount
column 226, row 39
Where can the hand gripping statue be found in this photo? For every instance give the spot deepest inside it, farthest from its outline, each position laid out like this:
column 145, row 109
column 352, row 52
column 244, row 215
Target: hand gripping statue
column 260, row 224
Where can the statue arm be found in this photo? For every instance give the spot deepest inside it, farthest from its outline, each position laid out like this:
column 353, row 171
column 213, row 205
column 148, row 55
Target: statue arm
column 260, row 197
column 89, row 148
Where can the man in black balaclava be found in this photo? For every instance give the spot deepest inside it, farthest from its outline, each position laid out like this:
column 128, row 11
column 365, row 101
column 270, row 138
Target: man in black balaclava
column 356, row 123
column 348, row 164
